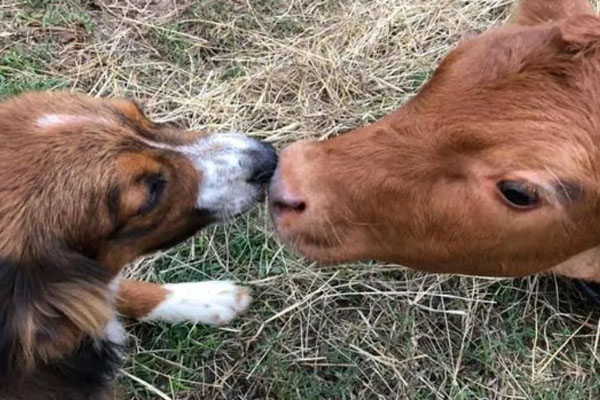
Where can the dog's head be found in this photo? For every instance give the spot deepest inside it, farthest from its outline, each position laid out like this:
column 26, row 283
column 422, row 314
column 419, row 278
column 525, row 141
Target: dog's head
column 89, row 185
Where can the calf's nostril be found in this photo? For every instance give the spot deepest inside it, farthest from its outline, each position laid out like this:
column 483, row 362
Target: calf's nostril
column 293, row 205
column 284, row 201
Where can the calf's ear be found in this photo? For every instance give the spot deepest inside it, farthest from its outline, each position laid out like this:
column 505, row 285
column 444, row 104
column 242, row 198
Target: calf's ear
column 534, row 12
column 580, row 33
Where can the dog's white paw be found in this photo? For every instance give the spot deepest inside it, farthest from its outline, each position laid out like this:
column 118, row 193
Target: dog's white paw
column 210, row 302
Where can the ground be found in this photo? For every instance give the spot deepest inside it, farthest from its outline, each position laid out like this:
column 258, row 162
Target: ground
column 282, row 70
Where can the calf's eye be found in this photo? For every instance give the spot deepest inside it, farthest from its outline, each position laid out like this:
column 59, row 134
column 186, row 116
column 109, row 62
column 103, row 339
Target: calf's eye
column 521, row 195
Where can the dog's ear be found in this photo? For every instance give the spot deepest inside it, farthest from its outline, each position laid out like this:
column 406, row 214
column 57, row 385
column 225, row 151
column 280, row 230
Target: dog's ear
column 534, row 12
column 8, row 333
column 17, row 295
column 47, row 306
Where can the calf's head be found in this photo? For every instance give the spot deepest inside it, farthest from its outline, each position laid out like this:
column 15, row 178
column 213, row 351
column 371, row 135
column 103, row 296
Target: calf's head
column 492, row 169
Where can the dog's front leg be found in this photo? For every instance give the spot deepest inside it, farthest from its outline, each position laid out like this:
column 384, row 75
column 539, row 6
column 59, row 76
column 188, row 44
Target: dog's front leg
column 208, row 302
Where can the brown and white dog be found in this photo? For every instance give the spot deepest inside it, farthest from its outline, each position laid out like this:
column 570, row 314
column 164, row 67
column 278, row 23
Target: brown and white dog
column 492, row 169
column 88, row 185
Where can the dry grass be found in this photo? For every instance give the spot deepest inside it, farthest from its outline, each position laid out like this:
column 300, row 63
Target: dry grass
column 284, row 70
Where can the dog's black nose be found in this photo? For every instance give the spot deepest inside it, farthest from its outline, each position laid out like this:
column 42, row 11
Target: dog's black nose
column 264, row 164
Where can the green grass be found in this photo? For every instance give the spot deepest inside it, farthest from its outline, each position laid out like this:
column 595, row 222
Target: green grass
column 53, row 13
column 21, row 70
column 172, row 45
column 284, row 70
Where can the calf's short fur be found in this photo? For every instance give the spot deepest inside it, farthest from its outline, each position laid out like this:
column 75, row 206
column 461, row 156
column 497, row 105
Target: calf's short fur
column 491, row 169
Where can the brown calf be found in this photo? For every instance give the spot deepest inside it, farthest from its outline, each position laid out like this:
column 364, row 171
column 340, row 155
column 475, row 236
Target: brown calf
column 492, row 169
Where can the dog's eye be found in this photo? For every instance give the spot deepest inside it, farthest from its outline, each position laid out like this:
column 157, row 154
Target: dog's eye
column 519, row 194
column 156, row 187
